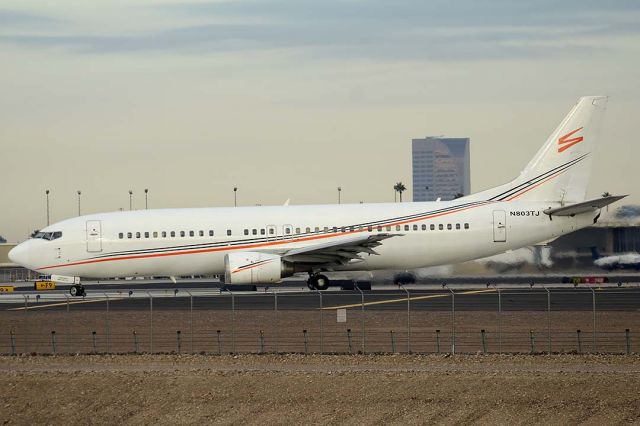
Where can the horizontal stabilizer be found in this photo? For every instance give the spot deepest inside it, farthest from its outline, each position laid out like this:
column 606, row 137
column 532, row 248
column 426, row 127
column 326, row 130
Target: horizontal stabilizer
column 584, row 207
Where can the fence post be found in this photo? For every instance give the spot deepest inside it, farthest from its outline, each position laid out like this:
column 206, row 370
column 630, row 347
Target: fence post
column 66, row 325
column 53, row 341
column 499, row 320
column 107, row 326
column 150, row 323
column 321, row 325
column 26, row 322
column 179, row 341
column 190, row 319
column 484, row 341
column 453, row 320
column 548, row 320
column 438, row 341
column 13, row 342
column 408, row 318
column 219, row 343
column 362, row 314
column 532, row 337
column 135, row 341
column 275, row 315
column 261, row 341
column 593, row 343
column 233, row 320
column 349, row 340
column 306, row 342
column 627, row 340
column 393, row 342
column 93, row 338
column 579, row 341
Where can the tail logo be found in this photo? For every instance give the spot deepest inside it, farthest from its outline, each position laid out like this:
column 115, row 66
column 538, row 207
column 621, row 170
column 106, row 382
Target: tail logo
column 565, row 142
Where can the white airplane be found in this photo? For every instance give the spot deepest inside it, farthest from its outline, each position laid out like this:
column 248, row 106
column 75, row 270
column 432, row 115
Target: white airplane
column 251, row 245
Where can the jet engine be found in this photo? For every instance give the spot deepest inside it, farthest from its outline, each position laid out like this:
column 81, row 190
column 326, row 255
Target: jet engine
column 255, row 268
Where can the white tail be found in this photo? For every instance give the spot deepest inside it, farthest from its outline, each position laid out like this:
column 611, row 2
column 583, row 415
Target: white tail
column 560, row 170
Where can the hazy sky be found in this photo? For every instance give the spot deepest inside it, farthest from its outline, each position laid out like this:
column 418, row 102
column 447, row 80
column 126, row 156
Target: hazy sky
column 290, row 98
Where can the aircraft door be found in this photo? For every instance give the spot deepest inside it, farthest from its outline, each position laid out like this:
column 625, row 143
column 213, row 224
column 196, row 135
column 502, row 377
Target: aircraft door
column 94, row 236
column 499, row 226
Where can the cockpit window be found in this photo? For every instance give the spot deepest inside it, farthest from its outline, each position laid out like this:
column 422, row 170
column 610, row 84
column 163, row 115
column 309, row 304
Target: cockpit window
column 48, row 235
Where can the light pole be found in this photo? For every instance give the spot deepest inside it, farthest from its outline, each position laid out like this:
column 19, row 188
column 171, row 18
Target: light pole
column 235, row 196
column 130, row 200
column 339, row 191
column 47, row 194
column 79, row 193
column 146, row 199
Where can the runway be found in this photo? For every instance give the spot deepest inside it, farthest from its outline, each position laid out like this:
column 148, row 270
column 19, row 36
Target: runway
column 559, row 298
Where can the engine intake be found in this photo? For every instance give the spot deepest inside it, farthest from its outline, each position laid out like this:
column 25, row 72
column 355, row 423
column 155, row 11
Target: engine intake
column 255, row 268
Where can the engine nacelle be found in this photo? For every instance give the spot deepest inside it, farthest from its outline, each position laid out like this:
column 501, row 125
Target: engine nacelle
column 255, row 268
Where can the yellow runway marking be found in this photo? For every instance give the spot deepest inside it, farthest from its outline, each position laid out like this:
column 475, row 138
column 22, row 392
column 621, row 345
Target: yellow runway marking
column 404, row 299
column 50, row 305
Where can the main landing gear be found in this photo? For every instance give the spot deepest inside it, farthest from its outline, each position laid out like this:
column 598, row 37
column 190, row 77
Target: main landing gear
column 318, row 282
column 77, row 290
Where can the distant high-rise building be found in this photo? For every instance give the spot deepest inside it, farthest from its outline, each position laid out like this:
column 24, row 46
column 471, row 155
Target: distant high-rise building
column 441, row 168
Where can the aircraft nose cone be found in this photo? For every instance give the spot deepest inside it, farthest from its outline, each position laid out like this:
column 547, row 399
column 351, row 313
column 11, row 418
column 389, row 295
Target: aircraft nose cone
column 18, row 255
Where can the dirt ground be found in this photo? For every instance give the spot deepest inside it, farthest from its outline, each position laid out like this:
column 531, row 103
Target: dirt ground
column 320, row 389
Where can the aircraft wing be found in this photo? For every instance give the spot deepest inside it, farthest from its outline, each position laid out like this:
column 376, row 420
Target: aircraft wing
column 583, row 207
column 339, row 252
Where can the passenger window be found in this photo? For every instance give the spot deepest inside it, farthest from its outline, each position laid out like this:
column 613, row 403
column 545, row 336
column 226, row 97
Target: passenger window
column 201, row 233
column 173, row 233
column 424, row 227
column 129, row 235
column 121, row 235
column 415, row 227
column 406, row 227
column 164, row 234
column 182, row 233
column 343, row 229
column 317, row 229
column 351, row 228
column 211, row 232
column 297, row 230
column 271, row 231
column 155, row 234
column 432, row 227
column 379, row 228
column 137, row 235
column 457, row 226
column 388, row 228
column 287, row 230
column 308, row 230
column 229, row 232
column 246, row 232
column 466, row 226
column 335, row 229
column 449, row 226
column 146, row 235
column 192, row 234
column 441, row 227
column 397, row 227
column 262, row 231
column 369, row 228
column 254, row 231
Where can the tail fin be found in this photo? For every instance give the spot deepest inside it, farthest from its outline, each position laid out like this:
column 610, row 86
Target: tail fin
column 560, row 170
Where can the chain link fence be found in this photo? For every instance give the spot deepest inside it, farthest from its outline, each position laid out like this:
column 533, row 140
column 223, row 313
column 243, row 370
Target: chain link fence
column 491, row 320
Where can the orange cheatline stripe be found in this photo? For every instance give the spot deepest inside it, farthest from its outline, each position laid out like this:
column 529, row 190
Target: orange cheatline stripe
column 258, row 245
column 536, row 185
column 255, row 265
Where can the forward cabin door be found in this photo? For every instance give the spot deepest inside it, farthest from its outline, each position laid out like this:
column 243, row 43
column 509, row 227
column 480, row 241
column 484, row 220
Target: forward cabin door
column 499, row 226
column 94, row 236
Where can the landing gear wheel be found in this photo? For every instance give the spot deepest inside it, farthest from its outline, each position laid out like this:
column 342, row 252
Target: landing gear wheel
column 318, row 282
column 77, row 291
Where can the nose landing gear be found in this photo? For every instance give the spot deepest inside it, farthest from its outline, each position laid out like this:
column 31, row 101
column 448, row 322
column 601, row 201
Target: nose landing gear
column 77, row 290
column 318, row 282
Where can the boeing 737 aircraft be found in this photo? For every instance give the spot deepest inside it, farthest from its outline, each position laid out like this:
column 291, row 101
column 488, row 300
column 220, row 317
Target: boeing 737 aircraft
column 249, row 245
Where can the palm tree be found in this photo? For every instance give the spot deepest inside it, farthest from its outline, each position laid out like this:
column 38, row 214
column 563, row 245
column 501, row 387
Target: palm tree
column 399, row 188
